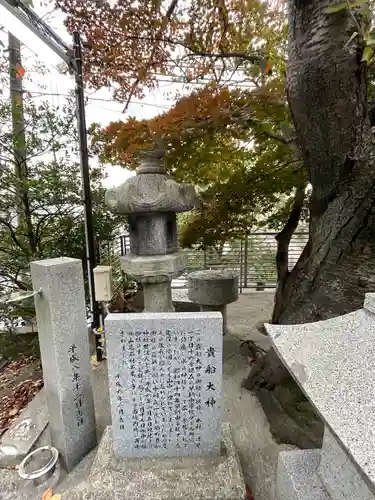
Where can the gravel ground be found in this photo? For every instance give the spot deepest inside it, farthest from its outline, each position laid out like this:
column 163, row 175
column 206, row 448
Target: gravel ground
column 256, row 446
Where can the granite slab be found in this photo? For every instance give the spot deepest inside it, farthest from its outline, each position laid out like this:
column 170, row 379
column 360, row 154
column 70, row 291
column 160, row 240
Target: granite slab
column 339, row 475
column 297, row 476
column 333, row 361
column 64, row 348
column 183, row 478
column 165, row 380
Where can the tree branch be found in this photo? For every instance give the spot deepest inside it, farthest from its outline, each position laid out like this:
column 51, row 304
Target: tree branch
column 39, row 225
column 171, row 9
column 166, row 20
column 282, row 254
column 20, row 284
column 253, row 58
column 276, row 137
column 13, row 235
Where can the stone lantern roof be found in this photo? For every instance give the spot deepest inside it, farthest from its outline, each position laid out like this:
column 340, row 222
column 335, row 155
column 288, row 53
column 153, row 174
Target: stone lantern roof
column 151, row 190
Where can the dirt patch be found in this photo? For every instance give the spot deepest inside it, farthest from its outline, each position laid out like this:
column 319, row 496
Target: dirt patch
column 292, row 418
column 20, row 375
column 14, row 347
column 19, row 382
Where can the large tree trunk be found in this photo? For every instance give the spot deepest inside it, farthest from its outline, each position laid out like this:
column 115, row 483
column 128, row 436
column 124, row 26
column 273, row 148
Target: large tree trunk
column 327, row 94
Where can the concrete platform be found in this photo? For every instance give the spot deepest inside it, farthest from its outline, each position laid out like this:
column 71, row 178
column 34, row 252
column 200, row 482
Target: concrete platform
column 185, row 478
column 297, row 477
column 257, row 450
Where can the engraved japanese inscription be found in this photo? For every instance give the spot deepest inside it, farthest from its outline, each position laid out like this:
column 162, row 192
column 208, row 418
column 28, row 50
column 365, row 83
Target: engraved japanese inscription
column 76, row 384
column 166, row 384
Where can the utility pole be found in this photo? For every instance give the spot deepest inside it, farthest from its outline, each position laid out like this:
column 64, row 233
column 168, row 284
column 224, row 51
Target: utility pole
column 17, row 111
column 19, row 139
column 16, row 97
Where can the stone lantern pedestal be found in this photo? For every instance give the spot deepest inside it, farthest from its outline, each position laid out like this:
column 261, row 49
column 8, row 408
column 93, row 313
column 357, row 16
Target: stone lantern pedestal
column 151, row 201
column 213, row 290
column 155, row 272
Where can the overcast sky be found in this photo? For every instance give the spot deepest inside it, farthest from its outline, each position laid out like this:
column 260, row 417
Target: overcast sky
column 101, row 107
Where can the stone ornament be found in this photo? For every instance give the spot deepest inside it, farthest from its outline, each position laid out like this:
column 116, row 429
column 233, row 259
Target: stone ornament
column 151, row 200
column 213, row 289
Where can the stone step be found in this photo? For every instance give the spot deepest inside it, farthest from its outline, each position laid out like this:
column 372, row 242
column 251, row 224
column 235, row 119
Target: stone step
column 297, row 477
column 339, row 474
column 24, row 432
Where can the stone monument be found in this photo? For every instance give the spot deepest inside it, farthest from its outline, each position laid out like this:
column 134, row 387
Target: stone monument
column 64, row 349
column 151, row 201
column 165, row 373
column 333, row 363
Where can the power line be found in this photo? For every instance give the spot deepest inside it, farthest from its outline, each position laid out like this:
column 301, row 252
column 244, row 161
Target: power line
column 100, row 99
column 39, row 28
column 181, row 79
column 57, row 94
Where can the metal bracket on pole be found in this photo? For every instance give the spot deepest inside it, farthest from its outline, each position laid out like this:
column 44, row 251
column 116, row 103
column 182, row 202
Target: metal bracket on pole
column 19, row 296
column 40, row 29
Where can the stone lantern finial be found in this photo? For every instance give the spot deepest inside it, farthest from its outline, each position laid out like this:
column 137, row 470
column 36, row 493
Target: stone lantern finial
column 156, row 151
column 151, row 161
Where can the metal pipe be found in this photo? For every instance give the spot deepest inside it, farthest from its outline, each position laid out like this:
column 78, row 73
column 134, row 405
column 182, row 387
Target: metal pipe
column 241, row 264
column 246, row 252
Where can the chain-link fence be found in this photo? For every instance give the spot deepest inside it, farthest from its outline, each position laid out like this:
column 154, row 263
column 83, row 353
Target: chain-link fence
column 254, row 258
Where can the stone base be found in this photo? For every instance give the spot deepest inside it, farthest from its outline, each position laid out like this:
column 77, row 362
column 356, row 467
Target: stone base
column 188, row 478
column 339, row 475
column 213, row 287
column 20, row 438
column 297, row 477
column 149, row 268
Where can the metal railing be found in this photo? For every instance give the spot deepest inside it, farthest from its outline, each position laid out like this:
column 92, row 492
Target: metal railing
column 253, row 258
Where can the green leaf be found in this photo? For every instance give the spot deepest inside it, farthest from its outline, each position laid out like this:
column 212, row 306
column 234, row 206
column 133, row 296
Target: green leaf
column 367, row 54
column 370, row 41
column 344, row 5
column 355, row 34
column 357, row 3
column 337, row 7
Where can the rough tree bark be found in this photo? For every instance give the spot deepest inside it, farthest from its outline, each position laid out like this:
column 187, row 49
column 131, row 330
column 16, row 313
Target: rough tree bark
column 327, row 94
column 282, row 255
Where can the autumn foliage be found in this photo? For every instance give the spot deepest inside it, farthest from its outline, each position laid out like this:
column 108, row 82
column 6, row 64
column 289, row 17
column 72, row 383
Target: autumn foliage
column 228, row 140
column 194, row 117
column 131, row 43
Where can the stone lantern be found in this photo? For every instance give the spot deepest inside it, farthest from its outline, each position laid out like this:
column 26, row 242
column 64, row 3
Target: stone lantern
column 151, row 201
